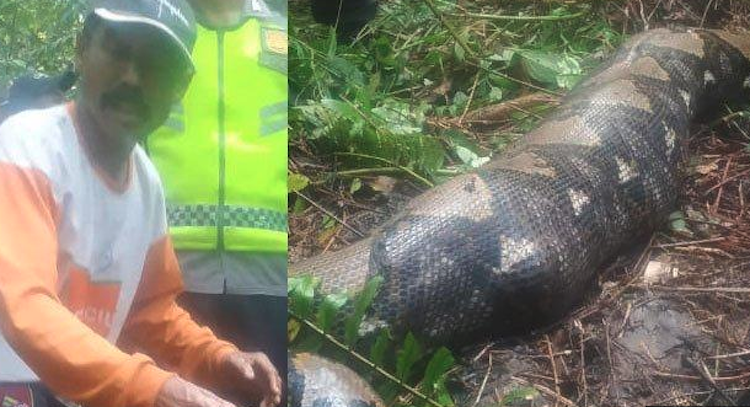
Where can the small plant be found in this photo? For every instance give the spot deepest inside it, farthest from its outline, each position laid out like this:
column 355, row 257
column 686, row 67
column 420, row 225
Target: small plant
column 369, row 104
column 401, row 369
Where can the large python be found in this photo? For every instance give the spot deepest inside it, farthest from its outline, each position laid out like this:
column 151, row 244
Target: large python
column 518, row 242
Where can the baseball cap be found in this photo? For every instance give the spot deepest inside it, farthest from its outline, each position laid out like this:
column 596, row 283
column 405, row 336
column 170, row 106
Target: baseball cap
column 172, row 17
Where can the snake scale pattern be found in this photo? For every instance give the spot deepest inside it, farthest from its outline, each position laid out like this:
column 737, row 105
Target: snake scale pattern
column 518, row 242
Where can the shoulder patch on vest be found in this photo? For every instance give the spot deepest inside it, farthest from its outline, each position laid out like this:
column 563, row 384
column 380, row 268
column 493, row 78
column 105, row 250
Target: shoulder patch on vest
column 276, row 40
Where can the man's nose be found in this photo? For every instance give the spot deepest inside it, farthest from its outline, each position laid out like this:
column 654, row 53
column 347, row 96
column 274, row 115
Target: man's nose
column 132, row 74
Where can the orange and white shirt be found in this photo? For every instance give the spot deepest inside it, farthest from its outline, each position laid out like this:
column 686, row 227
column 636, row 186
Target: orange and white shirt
column 84, row 264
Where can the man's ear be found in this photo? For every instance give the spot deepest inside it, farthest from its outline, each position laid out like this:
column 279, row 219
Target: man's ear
column 183, row 86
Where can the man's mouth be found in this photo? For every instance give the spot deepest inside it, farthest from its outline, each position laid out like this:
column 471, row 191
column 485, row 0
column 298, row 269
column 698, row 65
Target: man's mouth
column 126, row 108
column 128, row 115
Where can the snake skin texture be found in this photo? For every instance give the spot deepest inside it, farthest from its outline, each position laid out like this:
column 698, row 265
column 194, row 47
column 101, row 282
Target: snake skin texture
column 515, row 244
column 315, row 381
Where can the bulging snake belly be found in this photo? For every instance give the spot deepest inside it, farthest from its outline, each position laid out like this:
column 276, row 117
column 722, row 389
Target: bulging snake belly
column 517, row 242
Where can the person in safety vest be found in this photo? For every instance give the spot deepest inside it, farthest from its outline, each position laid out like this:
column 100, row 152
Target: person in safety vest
column 88, row 275
column 222, row 155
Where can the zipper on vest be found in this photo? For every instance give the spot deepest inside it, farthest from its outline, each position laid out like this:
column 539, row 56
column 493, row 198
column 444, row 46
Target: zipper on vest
column 222, row 143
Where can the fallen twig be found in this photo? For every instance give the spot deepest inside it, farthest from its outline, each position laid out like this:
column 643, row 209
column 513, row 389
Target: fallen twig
column 450, row 28
column 554, row 366
column 518, row 18
column 381, row 159
column 715, row 207
column 697, row 378
column 690, row 243
column 484, row 381
column 734, row 290
column 703, row 372
column 329, row 213
column 730, row 355
column 545, row 390
column 502, row 110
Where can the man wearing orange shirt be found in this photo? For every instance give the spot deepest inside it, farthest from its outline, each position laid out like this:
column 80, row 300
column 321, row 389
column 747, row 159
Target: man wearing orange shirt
column 86, row 261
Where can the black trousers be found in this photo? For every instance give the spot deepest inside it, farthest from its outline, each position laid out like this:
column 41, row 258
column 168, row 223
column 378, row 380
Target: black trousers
column 252, row 322
column 17, row 394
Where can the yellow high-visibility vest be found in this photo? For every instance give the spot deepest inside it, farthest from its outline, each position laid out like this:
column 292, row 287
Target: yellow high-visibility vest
column 222, row 154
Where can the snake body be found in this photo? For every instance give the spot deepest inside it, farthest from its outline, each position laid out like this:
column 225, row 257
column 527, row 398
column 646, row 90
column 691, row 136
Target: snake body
column 315, row 381
column 517, row 242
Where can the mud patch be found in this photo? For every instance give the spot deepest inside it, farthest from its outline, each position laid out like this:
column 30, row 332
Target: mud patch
column 636, row 344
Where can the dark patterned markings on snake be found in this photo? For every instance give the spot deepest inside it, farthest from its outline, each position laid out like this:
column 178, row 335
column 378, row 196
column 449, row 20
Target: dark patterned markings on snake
column 516, row 243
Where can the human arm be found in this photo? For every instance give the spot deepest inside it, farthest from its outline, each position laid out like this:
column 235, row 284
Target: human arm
column 159, row 326
column 69, row 357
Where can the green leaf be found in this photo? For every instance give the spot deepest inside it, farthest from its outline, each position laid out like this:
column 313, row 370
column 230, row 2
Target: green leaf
column 343, row 109
column 551, row 69
column 328, row 222
column 356, row 185
column 470, row 158
column 567, row 81
column 392, row 131
column 459, row 52
column 518, row 395
column 679, row 225
column 318, row 119
column 438, row 366
column 442, row 395
column 362, row 301
column 460, row 100
column 399, row 117
column 676, row 215
column 299, row 206
column 365, row 298
column 465, row 155
column 292, row 329
column 377, row 352
column 383, row 52
column 346, row 71
column 407, row 356
column 506, row 55
column 331, row 305
column 296, row 182
column 301, row 294
column 496, row 94
column 501, row 82
column 311, row 342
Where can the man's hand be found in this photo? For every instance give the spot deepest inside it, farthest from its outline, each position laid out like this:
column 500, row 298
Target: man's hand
column 254, row 376
column 177, row 392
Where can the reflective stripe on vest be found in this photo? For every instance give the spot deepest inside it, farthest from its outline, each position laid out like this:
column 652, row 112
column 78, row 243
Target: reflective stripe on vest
column 234, row 216
column 225, row 182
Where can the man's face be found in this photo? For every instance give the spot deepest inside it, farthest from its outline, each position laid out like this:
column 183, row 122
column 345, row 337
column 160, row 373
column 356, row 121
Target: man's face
column 131, row 74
